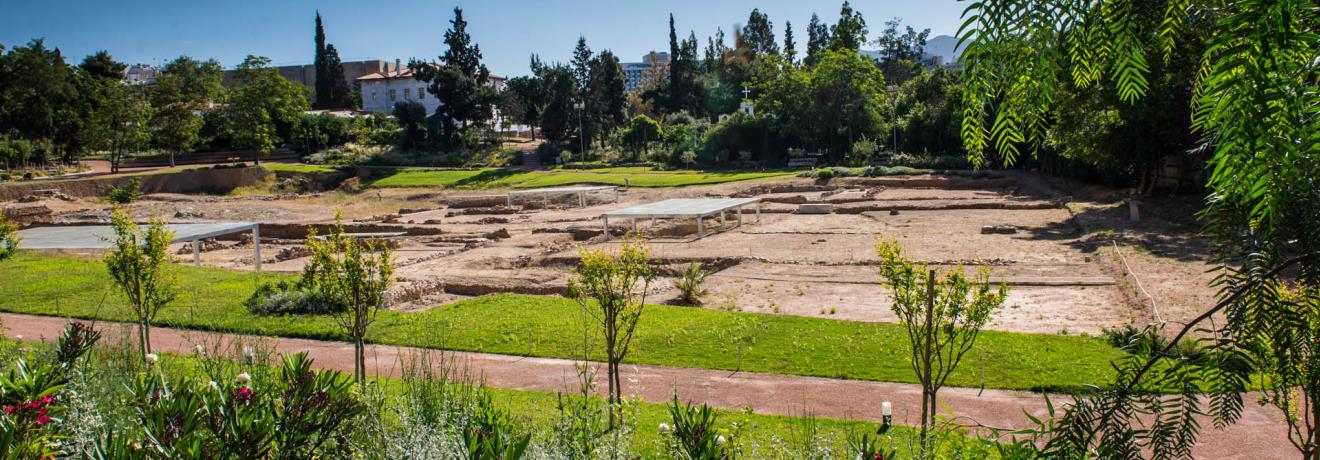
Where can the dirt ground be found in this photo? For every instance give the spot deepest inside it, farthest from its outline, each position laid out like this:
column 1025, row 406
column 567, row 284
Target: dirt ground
column 1072, row 267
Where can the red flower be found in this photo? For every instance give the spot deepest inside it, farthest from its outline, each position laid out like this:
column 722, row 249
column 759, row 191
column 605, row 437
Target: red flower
column 42, row 420
column 9, row 409
column 47, row 400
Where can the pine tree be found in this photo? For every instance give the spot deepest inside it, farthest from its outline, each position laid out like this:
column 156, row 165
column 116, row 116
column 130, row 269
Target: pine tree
column 322, row 85
column 759, row 34
column 582, row 63
column 818, row 37
column 850, row 32
column 460, row 84
column 790, row 50
column 340, row 95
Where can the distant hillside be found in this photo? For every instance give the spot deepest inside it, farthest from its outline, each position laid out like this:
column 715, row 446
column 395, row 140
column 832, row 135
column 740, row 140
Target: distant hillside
column 942, row 45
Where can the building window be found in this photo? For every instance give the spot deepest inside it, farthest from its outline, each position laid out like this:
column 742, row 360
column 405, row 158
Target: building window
column 407, row 95
column 392, row 95
column 421, row 93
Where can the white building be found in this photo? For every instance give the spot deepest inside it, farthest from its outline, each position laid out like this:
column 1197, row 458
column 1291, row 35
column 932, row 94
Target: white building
column 381, row 90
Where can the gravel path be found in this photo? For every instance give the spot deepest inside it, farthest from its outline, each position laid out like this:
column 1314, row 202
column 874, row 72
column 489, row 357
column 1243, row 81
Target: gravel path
column 1258, row 435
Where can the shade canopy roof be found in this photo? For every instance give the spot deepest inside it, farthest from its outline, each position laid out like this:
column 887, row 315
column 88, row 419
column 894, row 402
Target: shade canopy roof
column 102, row 236
column 682, row 207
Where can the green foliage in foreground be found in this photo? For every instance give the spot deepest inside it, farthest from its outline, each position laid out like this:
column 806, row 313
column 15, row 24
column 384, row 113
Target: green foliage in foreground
column 502, row 178
column 552, row 327
column 105, row 401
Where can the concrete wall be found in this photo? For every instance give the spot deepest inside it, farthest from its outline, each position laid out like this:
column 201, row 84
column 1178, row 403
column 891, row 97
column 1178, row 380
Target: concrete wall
column 306, row 74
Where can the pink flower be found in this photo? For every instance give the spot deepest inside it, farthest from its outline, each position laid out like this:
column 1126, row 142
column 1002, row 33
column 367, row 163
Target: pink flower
column 42, row 420
column 47, row 400
column 9, row 409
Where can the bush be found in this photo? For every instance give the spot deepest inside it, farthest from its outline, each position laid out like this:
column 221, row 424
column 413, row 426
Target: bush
column 126, row 194
column 691, row 286
column 881, row 171
column 861, row 153
column 8, row 238
column 828, row 173
column 693, row 434
column 285, row 298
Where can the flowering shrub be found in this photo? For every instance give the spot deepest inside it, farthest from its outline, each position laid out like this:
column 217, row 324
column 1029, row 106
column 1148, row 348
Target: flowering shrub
column 693, row 434
column 29, row 397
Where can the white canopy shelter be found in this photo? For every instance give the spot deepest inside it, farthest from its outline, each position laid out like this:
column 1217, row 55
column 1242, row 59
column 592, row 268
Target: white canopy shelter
column 581, row 192
column 103, row 236
column 698, row 208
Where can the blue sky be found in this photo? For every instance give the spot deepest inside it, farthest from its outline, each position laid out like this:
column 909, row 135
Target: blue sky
column 155, row 31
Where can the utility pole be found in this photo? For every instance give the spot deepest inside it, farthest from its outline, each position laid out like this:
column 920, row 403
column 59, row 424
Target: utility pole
column 582, row 138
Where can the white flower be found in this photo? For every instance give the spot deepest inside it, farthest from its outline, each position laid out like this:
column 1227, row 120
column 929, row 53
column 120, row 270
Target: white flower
column 213, row 385
column 152, row 358
column 664, row 428
column 18, row 337
column 244, row 378
column 719, row 440
column 200, row 350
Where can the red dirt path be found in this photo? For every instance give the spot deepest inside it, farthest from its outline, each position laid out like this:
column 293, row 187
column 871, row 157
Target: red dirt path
column 1259, row 434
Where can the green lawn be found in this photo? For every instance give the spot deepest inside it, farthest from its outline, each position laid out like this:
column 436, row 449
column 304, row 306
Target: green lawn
column 298, row 167
column 510, row 178
column 551, row 327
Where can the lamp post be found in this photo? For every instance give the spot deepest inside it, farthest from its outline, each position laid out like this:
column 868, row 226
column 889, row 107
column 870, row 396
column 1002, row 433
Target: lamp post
column 893, row 107
column 582, row 139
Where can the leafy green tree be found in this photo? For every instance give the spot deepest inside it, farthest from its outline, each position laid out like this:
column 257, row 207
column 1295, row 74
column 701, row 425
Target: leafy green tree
column 184, row 87
column 460, row 84
column 263, row 107
column 101, row 65
column 929, row 112
column 611, row 289
column 640, row 133
column 39, row 100
column 559, row 119
column 850, row 32
column 942, row 315
column 846, row 92
column 818, row 39
column 607, row 102
column 118, row 122
column 355, row 274
column 411, row 116
column 525, row 98
column 900, row 53
column 1254, row 106
column 759, row 34
column 139, row 262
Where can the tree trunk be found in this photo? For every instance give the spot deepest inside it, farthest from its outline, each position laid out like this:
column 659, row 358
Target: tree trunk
column 927, row 390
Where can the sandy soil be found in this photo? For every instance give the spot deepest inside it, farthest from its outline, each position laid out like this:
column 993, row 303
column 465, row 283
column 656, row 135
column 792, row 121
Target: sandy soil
column 1061, row 266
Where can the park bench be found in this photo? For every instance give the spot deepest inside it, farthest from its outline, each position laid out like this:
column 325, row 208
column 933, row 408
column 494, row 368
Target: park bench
column 804, row 162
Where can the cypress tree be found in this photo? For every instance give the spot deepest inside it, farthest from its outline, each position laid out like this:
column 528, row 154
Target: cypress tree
column 322, row 85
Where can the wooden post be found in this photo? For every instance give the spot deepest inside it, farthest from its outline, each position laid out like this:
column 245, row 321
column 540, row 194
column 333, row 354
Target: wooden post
column 926, row 401
column 256, row 245
column 197, row 253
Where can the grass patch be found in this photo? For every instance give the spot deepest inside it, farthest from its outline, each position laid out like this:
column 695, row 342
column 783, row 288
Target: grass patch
column 298, row 167
column 552, row 327
column 510, row 178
